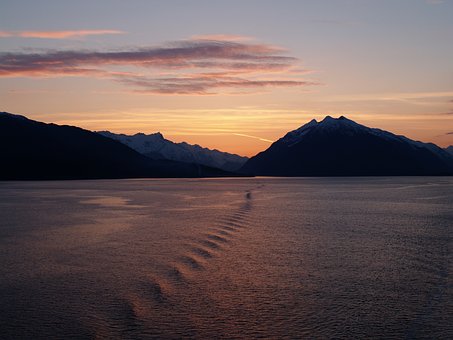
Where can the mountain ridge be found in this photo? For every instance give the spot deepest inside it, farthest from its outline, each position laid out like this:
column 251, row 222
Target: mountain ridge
column 332, row 147
column 156, row 146
column 449, row 149
column 32, row 150
column 342, row 147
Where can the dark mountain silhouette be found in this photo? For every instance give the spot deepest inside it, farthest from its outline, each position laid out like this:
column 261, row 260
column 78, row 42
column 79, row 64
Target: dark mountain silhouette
column 35, row 150
column 449, row 149
column 341, row 147
column 156, row 146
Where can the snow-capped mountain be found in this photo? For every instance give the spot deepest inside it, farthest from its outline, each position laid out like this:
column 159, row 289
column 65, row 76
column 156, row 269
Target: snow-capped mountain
column 34, row 150
column 342, row 147
column 156, row 146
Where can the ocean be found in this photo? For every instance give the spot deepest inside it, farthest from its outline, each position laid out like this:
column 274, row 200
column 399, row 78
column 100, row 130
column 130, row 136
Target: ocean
column 227, row 258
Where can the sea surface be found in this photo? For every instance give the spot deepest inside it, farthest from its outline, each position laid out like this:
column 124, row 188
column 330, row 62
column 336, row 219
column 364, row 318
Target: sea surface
column 238, row 258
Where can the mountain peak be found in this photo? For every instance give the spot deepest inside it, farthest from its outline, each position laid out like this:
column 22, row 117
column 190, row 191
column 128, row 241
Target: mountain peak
column 342, row 124
column 327, row 124
column 341, row 119
column 11, row 115
column 156, row 135
column 342, row 147
column 327, row 119
column 156, row 146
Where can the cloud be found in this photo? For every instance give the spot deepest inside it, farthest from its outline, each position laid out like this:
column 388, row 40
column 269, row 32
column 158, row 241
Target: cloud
column 434, row 2
column 221, row 37
column 449, row 133
column 203, row 84
column 56, row 34
column 254, row 137
column 194, row 66
column 418, row 98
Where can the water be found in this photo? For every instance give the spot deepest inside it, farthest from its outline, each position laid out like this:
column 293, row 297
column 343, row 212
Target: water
column 227, row 258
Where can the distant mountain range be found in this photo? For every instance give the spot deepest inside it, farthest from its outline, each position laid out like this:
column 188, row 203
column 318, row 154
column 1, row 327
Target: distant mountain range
column 35, row 150
column 331, row 147
column 156, row 147
column 341, row 147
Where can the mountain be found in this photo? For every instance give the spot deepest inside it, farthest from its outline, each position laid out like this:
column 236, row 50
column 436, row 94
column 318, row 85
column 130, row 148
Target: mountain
column 156, row 146
column 35, row 150
column 449, row 149
column 341, row 147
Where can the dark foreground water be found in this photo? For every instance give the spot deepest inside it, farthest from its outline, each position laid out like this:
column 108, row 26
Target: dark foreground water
column 227, row 258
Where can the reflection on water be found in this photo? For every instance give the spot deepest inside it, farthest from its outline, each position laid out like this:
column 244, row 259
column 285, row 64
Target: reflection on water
column 229, row 258
column 107, row 201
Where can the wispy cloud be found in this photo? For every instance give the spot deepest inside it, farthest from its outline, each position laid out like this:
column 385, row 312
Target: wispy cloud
column 450, row 112
column 411, row 97
column 202, row 84
column 221, row 37
column 449, row 133
column 56, row 34
column 194, row 66
column 254, row 137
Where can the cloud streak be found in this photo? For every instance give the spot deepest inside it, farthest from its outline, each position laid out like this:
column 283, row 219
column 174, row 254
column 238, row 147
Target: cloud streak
column 56, row 34
column 222, row 37
column 195, row 66
column 254, row 137
column 202, row 84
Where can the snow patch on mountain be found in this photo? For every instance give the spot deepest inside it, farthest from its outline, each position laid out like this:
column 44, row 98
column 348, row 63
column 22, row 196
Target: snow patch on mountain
column 295, row 136
column 157, row 147
column 349, row 127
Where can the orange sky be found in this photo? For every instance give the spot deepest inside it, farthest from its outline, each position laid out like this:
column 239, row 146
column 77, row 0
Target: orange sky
column 196, row 75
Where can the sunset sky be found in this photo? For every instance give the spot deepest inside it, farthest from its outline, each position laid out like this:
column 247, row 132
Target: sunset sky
column 232, row 75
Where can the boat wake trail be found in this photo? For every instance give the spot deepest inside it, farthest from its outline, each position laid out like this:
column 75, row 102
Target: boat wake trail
column 220, row 237
column 163, row 291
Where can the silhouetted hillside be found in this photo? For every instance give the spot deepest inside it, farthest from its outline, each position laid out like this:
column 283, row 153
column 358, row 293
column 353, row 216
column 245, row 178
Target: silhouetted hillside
column 341, row 147
column 35, row 150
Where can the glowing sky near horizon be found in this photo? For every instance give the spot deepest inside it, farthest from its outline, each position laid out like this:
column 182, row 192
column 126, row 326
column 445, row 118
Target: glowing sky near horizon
column 232, row 75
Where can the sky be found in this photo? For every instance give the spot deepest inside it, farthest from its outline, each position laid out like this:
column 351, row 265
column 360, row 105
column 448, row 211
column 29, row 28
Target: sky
column 231, row 75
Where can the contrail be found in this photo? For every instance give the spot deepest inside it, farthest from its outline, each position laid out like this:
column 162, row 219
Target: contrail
column 254, row 137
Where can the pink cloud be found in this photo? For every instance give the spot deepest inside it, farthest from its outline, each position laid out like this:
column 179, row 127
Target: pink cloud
column 56, row 34
column 203, row 85
column 190, row 66
column 221, row 37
